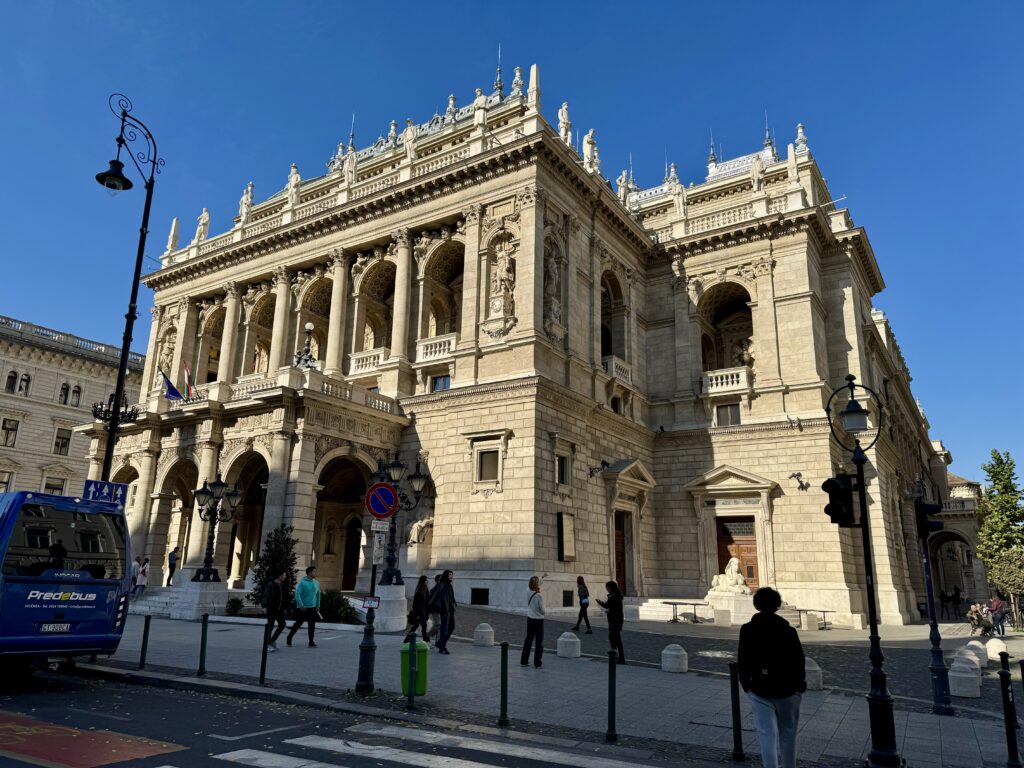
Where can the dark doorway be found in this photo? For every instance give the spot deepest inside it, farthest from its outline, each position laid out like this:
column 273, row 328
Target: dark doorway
column 736, row 538
column 350, row 562
column 621, row 519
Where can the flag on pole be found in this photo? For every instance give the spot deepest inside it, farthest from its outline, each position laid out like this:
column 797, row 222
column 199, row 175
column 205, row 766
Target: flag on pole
column 169, row 390
column 190, row 390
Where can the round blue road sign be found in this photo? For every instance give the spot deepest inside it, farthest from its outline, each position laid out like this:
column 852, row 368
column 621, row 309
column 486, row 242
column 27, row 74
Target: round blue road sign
column 381, row 501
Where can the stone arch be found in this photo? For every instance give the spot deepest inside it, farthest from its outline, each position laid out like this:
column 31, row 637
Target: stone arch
column 614, row 318
column 441, row 288
column 249, row 472
column 375, row 299
column 171, row 513
column 211, row 336
column 726, row 319
column 259, row 334
column 314, row 306
column 340, row 548
column 952, row 560
column 128, row 473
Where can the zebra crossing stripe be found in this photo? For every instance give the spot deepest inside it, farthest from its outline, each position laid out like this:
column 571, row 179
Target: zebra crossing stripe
column 256, row 758
column 434, row 738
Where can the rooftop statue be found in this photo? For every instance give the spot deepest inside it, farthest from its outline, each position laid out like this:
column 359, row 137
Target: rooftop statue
column 349, row 167
column 202, row 227
column 409, row 139
column 517, row 83
column 731, row 580
column 757, row 173
column 590, row 161
column 622, row 185
column 245, row 205
column 565, row 124
column 293, row 185
column 449, row 113
column 480, row 109
column 393, row 134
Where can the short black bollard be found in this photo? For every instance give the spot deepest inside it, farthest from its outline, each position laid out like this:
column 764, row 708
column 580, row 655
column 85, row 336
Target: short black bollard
column 503, row 716
column 263, row 654
column 613, row 660
column 367, row 655
column 202, row 646
column 411, row 639
column 1009, row 712
column 737, row 732
column 145, row 642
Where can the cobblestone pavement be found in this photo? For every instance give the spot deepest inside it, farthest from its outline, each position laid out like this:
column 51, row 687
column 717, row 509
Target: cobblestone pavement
column 841, row 654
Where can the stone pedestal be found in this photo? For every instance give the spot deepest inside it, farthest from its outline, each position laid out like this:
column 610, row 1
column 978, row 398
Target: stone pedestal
column 964, row 681
column 994, row 647
column 392, row 615
column 812, row 673
column 980, row 652
column 739, row 607
column 194, row 598
column 674, row 659
column 483, row 635
column 964, row 656
column 810, row 620
column 569, row 646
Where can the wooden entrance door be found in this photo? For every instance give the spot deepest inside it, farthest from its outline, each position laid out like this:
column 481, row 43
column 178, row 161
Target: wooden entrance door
column 621, row 519
column 736, row 538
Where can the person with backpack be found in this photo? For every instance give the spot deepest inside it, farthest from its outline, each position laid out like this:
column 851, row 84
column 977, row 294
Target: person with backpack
column 534, row 625
column 307, row 605
column 584, row 593
column 615, row 618
column 770, row 663
column 274, row 603
column 997, row 610
column 444, row 603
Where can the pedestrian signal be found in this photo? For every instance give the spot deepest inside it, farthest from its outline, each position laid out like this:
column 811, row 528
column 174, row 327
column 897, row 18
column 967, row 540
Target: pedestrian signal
column 840, row 499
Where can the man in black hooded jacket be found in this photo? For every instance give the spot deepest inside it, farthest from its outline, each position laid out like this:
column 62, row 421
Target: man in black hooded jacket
column 770, row 662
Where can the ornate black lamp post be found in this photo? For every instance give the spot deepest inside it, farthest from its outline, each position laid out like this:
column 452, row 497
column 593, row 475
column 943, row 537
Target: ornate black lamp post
column 854, row 418
column 114, row 180
column 216, row 504
column 106, row 412
column 393, row 473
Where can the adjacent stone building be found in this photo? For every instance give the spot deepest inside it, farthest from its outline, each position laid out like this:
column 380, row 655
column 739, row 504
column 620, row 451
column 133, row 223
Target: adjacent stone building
column 49, row 381
column 617, row 383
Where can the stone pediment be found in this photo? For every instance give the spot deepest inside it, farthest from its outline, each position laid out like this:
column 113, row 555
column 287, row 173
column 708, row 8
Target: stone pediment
column 725, row 479
column 58, row 469
column 7, row 464
column 629, row 472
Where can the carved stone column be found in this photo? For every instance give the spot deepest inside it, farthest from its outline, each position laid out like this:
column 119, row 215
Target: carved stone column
column 184, row 346
column 471, row 280
column 138, row 523
column 339, row 265
column 277, row 482
column 229, row 338
column 530, row 262
column 149, row 376
column 403, row 291
column 766, row 331
column 282, row 308
column 686, row 337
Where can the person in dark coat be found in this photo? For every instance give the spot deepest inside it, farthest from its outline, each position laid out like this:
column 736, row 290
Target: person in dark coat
column 584, row 593
column 274, row 602
column 418, row 613
column 614, row 607
column 445, row 601
column 770, row 663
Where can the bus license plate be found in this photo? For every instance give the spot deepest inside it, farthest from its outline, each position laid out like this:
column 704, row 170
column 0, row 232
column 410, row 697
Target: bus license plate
column 55, row 628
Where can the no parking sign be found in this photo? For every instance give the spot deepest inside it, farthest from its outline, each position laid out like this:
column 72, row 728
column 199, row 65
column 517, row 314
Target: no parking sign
column 381, row 501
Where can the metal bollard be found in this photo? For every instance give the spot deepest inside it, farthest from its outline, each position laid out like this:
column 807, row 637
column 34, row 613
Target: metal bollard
column 145, row 642
column 411, row 639
column 367, row 655
column 503, row 716
column 1009, row 712
column 613, row 659
column 737, row 732
column 202, row 646
column 263, row 655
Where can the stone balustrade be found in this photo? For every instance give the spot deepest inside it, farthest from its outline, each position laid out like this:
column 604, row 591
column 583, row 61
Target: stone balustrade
column 727, row 381
column 246, row 386
column 368, row 361
column 108, row 353
column 436, row 347
column 618, row 368
column 353, row 394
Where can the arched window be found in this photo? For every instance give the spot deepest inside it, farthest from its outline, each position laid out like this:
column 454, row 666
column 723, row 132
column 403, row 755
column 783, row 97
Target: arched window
column 76, row 395
column 64, row 391
column 26, row 384
column 12, row 382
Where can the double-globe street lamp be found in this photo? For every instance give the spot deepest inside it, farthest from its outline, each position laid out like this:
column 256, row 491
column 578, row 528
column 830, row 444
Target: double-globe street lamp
column 855, row 422
column 393, row 473
column 216, row 505
column 114, row 180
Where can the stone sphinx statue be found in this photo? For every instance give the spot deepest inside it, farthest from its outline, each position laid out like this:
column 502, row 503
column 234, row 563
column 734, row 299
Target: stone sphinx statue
column 730, row 581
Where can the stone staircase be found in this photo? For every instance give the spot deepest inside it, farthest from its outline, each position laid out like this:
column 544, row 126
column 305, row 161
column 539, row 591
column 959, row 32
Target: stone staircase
column 155, row 602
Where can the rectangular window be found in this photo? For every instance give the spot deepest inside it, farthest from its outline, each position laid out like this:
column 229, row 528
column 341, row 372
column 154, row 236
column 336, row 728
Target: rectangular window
column 566, row 537
column 440, row 383
column 90, row 542
column 727, row 415
column 6, row 481
column 487, row 466
column 62, row 442
column 37, row 538
column 567, row 598
column 54, row 485
column 8, row 432
column 562, row 470
column 479, row 596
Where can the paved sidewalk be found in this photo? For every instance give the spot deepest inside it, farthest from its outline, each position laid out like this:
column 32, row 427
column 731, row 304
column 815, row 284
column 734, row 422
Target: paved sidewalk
column 572, row 693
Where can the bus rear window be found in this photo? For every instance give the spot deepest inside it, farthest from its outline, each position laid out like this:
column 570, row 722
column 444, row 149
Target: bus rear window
column 45, row 539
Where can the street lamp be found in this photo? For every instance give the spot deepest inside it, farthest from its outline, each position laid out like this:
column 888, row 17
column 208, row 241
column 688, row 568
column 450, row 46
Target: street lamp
column 106, row 411
column 855, row 422
column 394, row 472
column 114, row 181
column 216, row 504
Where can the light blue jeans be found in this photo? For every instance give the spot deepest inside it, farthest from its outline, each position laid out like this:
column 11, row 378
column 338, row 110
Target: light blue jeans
column 776, row 721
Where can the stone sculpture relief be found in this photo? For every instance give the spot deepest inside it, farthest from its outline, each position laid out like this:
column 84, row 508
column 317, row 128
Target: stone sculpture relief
column 730, row 581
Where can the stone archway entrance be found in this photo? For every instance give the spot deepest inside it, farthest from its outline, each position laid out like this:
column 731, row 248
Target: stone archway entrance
column 953, row 565
column 238, row 542
column 340, row 545
column 171, row 519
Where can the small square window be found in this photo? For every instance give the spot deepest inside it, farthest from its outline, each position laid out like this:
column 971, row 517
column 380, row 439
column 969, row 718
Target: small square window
column 727, row 415
column 54, row 485
column 62, row 442
column 9, row 433
column 37, row 538
column 90, row 542
column 479, row 596
column 487, row 466
column 567, row 598
column 562, row 470
column 440, row 383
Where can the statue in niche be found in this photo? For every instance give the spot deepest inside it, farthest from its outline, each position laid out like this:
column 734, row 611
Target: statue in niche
column 757, row 173
column 553, row 284
column 589, row 151
column 293, row 185
column 622, row 185
column 418, row 530
column 368, row 337
column 480, row 109
column 202, row 227
column 329, row 540
column 730, row 581
column 742, row 353
column 260, row 359
column 245, row 205
column 166, row 356
column 564, row 124
column 409, row 139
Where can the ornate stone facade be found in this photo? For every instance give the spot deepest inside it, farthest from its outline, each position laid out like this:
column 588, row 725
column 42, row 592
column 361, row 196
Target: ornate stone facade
column 610, row 386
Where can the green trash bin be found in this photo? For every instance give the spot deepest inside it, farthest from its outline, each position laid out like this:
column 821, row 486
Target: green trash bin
column 421, row 668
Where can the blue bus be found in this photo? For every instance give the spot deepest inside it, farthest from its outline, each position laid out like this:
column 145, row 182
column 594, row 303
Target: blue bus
column 64, row 579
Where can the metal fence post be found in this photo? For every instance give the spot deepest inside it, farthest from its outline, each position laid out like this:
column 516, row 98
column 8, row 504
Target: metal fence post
column 263, row 653
column 503, row 716
column 610, row 735
column 737, row 732
column 202, row 646
column 1009, row 712
column 367, row 655
column 145, row 642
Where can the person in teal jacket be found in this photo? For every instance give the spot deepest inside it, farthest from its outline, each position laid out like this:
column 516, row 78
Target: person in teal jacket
column 307, row 605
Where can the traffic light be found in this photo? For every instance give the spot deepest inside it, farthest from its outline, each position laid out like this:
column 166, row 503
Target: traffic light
column 922, row 511
column 840, row 499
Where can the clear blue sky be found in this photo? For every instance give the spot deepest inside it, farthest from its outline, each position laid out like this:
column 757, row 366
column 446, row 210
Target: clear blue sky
column 913, row 110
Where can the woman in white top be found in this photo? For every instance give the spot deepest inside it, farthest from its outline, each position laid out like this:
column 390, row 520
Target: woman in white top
column 534, row 625
column 141, row 579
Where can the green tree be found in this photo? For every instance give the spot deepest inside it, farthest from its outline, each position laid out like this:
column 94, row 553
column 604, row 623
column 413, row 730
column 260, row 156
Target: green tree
column 1001, row 513
column 278, row 554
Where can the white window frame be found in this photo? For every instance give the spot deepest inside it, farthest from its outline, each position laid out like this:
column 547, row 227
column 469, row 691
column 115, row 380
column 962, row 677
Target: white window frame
column 10, row 480
column 53, row 449
column 739, row 413
column 482, row 442
column 63, row 487
column 17, row 431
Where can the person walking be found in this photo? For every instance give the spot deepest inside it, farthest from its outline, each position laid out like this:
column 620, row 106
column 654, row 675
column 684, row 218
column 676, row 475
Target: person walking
column 770, row 663
column 433, row 615
column 584, row 593
column 997, row 609
column 944, row 602
column 444, row 599
column 957, row 601
column 418, row 614
column 534, row 625
column 136, row 567
column 142, row 579
column 307, row 605
column 172, row 565
column 274, row 602
column 615, row 618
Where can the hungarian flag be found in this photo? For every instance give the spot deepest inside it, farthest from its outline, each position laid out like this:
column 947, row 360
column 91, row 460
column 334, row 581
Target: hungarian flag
column 170, row 392
column 190, row 390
